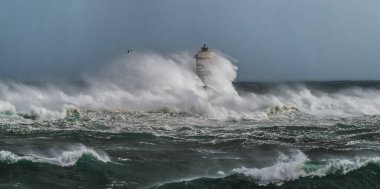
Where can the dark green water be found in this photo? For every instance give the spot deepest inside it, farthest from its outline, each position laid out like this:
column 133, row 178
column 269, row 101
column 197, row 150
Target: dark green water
column 289, row 148
column 181, row 151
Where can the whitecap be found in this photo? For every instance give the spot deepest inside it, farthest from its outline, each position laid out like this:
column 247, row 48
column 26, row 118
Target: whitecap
column 288, row 168
column 62, row 157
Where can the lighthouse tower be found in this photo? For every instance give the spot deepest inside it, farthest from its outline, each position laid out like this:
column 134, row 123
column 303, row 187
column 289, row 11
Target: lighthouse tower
column 203, row 61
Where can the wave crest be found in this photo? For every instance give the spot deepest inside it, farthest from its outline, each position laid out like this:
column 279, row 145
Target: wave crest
column 287, row 168
column 7, row 108
column 298, row 165
column 64, row 158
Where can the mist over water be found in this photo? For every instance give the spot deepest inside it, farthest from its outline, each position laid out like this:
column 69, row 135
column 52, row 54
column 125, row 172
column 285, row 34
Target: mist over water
column 148, row 81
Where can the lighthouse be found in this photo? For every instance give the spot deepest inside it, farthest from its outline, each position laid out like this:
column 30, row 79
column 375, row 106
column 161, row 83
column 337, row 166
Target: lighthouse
column 202, row 65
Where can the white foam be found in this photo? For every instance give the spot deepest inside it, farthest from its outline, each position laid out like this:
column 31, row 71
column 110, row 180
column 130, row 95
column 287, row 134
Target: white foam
column 64, row 158
column 9, row 157
column 345, row 166
column 298, row 165
column 149, row 81
column 124, row 159
column 287, row 168
column 7, row 108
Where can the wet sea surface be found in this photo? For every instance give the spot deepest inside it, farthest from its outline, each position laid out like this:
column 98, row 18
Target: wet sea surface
column 289, row 148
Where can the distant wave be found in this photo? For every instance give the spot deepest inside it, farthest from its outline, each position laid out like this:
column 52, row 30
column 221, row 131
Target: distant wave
column 149, row 81
column 63, row 158
column 7, row 108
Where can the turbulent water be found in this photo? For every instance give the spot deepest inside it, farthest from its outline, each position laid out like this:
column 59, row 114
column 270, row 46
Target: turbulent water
column 145, row 121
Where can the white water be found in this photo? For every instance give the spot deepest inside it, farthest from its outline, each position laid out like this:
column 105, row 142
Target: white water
column 153, row 82
column 287, row 168
column 62, row 157
column 298, row 165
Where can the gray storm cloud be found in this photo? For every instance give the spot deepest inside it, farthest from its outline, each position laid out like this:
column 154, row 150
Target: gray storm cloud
column 272, row 39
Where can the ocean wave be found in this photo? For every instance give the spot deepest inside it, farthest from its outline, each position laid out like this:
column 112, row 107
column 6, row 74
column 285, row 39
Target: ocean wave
column 287, row 168
column 63, row 158
column 344, row 166
column 149, row 82
column 41, row 113
column 7, row 108
column 298, row 165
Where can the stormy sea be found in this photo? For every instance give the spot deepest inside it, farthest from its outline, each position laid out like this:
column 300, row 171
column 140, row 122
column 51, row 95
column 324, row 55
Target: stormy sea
column 145, row 121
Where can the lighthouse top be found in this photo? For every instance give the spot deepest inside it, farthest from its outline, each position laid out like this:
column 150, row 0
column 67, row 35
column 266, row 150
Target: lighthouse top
column 204, row 53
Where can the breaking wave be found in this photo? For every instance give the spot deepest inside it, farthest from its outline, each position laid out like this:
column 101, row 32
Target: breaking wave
column 289, row 168
column 63, row 158
column 149, row 81
column 7, row 108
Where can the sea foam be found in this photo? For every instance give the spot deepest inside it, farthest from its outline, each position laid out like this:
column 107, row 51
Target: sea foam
column 61, row 157
column 298, row 165
column 148, row 81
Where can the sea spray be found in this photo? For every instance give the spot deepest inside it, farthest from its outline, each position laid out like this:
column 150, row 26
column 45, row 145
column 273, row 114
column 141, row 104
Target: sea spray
column 142, row 82
column 148, row 81
column 7, row 108
column 289, row 168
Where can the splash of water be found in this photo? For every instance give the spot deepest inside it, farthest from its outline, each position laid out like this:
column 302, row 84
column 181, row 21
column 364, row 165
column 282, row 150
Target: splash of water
column 148, row 81
column 298, row 165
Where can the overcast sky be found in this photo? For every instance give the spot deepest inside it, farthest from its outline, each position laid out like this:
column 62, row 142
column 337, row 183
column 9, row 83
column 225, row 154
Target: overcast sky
column 271, row 39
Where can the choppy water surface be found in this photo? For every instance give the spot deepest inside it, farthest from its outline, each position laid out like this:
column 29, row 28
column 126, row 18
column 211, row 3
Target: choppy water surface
column 139, row 125
column 99, row 149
